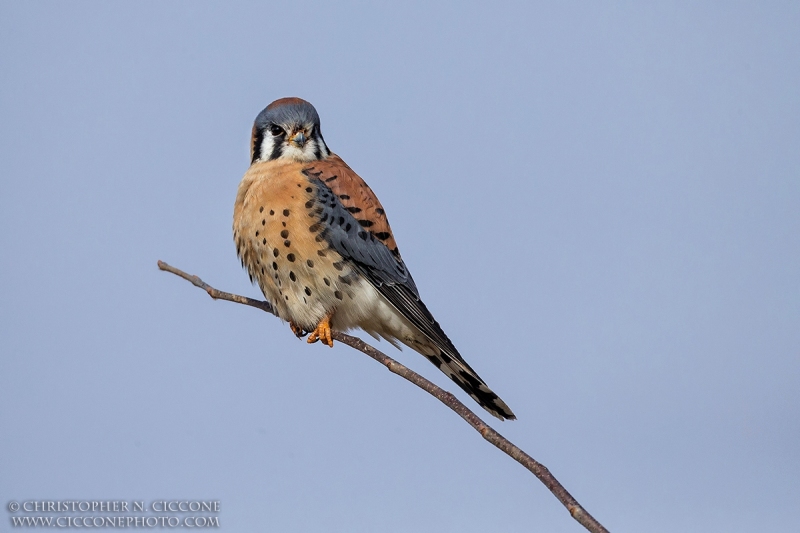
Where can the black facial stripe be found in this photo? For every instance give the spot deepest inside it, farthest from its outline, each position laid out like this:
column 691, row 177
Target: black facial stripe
column 321, row 146
column 277, row 148
column 258, row 140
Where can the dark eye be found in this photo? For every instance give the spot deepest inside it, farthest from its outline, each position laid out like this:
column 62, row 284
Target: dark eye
column 277, row 131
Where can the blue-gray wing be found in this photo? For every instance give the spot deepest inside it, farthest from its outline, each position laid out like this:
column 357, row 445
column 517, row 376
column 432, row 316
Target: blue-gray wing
column 385, row 270
column 382, row 268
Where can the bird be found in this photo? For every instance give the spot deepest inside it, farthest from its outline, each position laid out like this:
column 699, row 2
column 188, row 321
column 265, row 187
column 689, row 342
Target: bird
column 313, row 236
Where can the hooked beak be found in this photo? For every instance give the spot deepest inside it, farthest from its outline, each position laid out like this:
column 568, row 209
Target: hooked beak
column 299, row 139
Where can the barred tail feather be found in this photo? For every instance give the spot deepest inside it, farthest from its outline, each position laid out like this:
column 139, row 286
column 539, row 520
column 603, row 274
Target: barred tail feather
column 471, row 383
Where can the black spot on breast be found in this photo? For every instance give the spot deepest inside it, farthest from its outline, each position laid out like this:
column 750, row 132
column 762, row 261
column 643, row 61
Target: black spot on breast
column 263, row 222
column 309, row 204
column 354, row 209
column 275, row 252
column 284, row 234
column 337, row 294
column 256, row 234
column 313, row 228
column 264, row 241
column 286, row 212
column 271, row 212
column 284, row 224
column 327, row 281
column 383, row 235
column 309, row 189
column 308, row 291
column 345, row 280
column 261, row 209
column 274, row 265
column 321, row 253
column 292, row 276
column 338, row 266
column 287, row 298
column 290, row 257
column 310, row 263
column 365, row 223
column 287, row 243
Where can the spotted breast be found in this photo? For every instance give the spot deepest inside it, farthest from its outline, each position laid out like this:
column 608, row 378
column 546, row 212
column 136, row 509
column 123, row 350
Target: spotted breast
column 277, row 232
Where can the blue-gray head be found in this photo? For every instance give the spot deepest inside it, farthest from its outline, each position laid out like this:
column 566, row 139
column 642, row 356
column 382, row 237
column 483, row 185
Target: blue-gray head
column 288, row 129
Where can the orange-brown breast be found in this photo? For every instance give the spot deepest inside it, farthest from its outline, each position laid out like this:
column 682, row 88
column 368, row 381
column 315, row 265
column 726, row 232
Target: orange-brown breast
column 355, row 195
column 277, row 240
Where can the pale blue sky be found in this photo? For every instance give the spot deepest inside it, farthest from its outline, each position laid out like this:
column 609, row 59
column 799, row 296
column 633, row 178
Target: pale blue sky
column 599, row 203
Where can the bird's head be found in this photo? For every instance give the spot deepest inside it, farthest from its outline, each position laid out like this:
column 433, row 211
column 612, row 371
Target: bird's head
column 288, row 129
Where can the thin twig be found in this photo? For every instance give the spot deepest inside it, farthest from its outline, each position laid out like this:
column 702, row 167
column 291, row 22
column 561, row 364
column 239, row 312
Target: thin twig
column 538, row 469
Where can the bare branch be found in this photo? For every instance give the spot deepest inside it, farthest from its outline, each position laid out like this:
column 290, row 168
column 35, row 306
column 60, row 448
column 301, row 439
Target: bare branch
column 538, row 469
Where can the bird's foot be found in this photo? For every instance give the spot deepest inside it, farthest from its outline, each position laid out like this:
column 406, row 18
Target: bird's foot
column 323, row 332
column 297, row 330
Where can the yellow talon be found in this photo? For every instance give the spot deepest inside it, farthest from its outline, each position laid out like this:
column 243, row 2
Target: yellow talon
column 322, row 333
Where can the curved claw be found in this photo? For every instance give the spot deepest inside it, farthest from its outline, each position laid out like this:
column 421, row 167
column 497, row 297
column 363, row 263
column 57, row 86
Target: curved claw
column 297, row 330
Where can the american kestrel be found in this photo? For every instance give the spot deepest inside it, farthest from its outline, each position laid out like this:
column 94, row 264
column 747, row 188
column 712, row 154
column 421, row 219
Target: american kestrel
column 316, row 239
